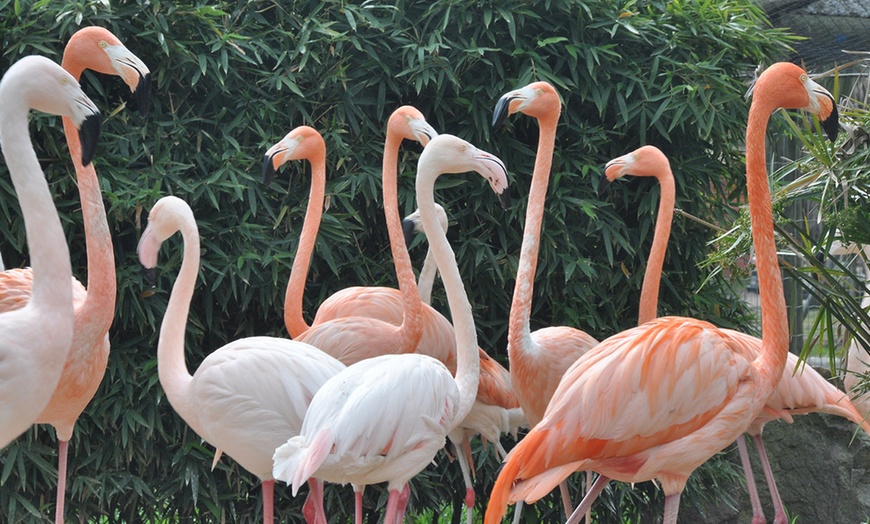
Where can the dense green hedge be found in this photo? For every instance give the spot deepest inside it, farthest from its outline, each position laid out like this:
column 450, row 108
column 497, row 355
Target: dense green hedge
column 231, row 78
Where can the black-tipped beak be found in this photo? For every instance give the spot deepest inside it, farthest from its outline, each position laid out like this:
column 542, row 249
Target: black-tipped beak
column 831, row 125
column 505, row 199
column 89, row 132
column 603, row 184
column 143, row 95
column 268, row 170
column 150, row 274
column 501, row 111
column 408, row 230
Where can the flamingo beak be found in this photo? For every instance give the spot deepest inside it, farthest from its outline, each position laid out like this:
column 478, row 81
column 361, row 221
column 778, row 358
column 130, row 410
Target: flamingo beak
column 268, row 168
column 502, row 109
column 89, row 132
column 408, row 230
column 831, row 121
column 150, row 275
column 142, row 94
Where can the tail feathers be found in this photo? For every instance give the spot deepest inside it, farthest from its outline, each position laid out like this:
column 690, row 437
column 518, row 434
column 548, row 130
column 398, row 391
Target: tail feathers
column 317, row 452
column 532, row 489
column 287, row 459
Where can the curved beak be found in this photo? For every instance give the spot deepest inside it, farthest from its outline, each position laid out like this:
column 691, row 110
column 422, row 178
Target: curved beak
column 268, row 168
column 493, row 169
column 89, row 132
column 502, row 109
column 142, row 94
column 423, row 131
column 135, row 74
column 150, row 274
column 408, row 230
column 828, row 116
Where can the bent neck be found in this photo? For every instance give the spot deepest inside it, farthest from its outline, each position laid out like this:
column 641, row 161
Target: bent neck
column 411, row 330
column 293, row 318
column 98, row 309
column 774, row 320
column 51, row 292
column 171, row 366
column 649, row 295
column 519, row 332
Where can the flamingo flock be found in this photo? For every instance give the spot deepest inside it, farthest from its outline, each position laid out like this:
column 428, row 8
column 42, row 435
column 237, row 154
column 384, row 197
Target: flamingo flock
column 376, row 385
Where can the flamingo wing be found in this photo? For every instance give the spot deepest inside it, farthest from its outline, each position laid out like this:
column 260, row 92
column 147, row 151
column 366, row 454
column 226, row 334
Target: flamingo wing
column 16, row 284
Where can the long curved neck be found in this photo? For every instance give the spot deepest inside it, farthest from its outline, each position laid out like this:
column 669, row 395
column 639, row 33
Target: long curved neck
column 649, row 294
column 426, row 281
column 51, row 292
column 467, row 357
column 774, row 320
column 411, row 329
column 293, row 319
column 519, row 332
column 171, row 367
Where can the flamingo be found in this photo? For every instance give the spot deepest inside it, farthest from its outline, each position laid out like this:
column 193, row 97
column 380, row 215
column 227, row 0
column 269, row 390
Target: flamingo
column 677, row 389
column 801, row 390
column 413, row 224
column 384, row 418
column 31, row 366
column 537, row 360
column 97, row 49
column 246, row 397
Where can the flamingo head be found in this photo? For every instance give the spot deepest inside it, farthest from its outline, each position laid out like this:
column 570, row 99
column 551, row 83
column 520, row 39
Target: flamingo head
column 414, row 224
column 410, row 123
column 96, row 48
column 788, row 86
column 452, row 154
column 643, row 161
column 49, row 88
column 302, row 143
column 164, row 220
column 538, row 100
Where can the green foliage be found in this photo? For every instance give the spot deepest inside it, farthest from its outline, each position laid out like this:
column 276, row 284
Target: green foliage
column 231, row 78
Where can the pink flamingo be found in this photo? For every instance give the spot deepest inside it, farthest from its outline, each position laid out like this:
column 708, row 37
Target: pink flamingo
column 801, row 390
column 678, row 389
column 246, row 396
column 31, row 366
column 537, row 360
column 97, row 49
column 384, row 418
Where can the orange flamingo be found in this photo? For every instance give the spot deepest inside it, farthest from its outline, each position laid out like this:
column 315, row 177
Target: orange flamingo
column 537, row 360
column 677, row 389
column 31, row 366
column 800, row 390
column 384, row 418
column 246, row 397
column 97, row 49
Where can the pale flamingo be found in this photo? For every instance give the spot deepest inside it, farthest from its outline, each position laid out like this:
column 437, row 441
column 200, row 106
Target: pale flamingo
column 413, row 224
column 801, row 390
column 97, row 49
column 537, row 360
column 384, row 418
column 246, row 397
column 31, row 366
column 677, row 390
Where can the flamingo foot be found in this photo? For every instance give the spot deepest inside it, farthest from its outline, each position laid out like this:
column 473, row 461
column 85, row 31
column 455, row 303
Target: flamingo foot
column 759, row 519
column 780, row 518
column 469, row 497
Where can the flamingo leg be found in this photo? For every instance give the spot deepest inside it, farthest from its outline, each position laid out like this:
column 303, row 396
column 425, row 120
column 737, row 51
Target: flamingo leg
column 779, row 517
column 518, row 511
column 392, row 508
column 757, row 510
column 313, row 510
column 404, row 497
column 466, row 477
column 566, row 498
column 672, row 507
column 358, row 504
column 62, row 448
column 268, row 488
column 592, row 494
column 589, row 485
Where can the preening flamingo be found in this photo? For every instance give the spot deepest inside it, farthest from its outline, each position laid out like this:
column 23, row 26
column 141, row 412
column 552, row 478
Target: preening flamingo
column 677, row 390
column 384, row 418
column 537, row 360
column 801, row 390
column 31, row 365
column 246, row 397
column 496, row 409
column 97, row 49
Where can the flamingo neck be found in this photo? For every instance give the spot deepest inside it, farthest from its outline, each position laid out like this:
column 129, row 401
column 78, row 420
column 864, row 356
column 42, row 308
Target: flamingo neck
column 411, row 329
column 467, row 357
column 426, row 281
column 519, row 331
column 649, row 295
column 774, row 320
column 293, row 319
column 171, row 367
column 94, row 316
column 51, row 292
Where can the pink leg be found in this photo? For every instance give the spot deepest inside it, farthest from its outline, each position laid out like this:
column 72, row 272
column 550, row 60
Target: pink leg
column 757, row 511
column 392, row 508
column 357, row 504
column 313, row 510
column 404, row 497
column 586, row 503
column 672, row 507
column 780, row 516
column 268, row 487
column 588, row 487
column 566, row 498
column 62, row 448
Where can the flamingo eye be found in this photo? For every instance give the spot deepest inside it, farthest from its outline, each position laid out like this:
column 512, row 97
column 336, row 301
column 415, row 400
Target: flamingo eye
column 103, row 44
column 462, row 148
column 804, row 78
